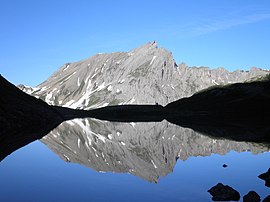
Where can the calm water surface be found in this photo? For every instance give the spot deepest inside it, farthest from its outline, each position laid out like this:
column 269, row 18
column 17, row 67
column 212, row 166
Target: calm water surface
column 90, row 160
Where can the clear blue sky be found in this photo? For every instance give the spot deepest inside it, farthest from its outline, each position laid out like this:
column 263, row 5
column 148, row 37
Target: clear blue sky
column 37, row 37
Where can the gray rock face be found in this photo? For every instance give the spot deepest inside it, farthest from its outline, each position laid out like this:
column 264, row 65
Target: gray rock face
column 145, row 75
column 147, row 150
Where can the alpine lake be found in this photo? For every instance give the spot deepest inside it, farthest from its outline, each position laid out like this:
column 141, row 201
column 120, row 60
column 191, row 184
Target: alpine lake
column 92, row 160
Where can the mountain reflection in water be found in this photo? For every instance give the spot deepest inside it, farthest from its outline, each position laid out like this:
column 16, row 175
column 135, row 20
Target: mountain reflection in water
column 147, row 150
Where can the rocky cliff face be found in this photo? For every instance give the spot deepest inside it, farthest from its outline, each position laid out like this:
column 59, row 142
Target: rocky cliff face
column 145, row 75
column 147, row 150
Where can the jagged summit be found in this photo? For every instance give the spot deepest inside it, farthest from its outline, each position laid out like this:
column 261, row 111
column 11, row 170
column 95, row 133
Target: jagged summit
column 148, row 46
column 145, row 75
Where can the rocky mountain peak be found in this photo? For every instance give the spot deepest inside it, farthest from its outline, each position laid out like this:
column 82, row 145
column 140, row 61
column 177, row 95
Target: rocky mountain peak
column 145, row 75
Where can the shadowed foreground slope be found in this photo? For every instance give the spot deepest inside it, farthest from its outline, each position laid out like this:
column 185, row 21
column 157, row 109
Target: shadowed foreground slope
column 23, row 118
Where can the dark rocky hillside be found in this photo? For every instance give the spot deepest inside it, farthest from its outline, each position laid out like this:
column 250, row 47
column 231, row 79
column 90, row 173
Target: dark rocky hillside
column 23, row 118
column 238, row 111
column 236, row 103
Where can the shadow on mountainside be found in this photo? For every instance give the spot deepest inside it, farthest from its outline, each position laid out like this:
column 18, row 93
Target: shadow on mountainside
column 238, row 111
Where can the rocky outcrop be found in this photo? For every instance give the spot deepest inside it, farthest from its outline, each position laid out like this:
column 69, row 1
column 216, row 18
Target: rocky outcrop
column 222, row 192
column 145, row 75
column 251, row 196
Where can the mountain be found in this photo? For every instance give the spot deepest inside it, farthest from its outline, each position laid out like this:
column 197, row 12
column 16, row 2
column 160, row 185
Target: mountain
column 146, row 150
column 25, row 118
column 238, row 105
column 145, row 75
column 232, row 107
column 18, row 109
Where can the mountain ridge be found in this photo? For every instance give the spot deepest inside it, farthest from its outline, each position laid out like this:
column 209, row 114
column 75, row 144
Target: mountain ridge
column 144, row 75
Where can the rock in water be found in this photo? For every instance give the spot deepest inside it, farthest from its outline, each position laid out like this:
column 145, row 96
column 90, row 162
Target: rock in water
column 267, row 199
column 266, row 177
column 222, row 192
column 252, row 196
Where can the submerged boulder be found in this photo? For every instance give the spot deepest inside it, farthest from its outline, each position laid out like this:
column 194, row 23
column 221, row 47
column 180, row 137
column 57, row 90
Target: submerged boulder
column 222, row 192
column 252, row 196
